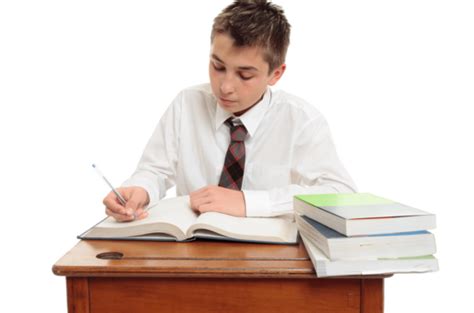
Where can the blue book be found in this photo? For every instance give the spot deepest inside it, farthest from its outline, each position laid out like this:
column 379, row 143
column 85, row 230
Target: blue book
column 337, row 246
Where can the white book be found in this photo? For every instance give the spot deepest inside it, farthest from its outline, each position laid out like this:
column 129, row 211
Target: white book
column 326, row 268
column 337, row 246
column 174, row 220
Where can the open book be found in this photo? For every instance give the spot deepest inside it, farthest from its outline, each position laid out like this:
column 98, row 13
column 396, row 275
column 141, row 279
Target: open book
column 173, row 220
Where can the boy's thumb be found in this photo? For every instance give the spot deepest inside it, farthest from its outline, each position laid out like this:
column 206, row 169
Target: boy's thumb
column 131, row 206
column 135, row 201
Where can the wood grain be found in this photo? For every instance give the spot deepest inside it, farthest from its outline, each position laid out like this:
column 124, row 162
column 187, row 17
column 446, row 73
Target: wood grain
column 372, row 299
column 204, row 258
column 223, row 295
column 78, row 295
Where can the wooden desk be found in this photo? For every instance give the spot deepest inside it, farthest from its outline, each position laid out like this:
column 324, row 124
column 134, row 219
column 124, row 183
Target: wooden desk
column 205, row 276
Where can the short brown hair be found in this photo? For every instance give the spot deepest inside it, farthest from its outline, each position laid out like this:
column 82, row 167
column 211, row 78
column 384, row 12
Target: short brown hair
column 256, row 23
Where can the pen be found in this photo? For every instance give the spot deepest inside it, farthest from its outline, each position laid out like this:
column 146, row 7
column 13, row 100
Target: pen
column 119, row 196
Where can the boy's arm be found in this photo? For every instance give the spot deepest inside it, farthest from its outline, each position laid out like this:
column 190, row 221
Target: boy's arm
column 156, row 169
column 315, row 169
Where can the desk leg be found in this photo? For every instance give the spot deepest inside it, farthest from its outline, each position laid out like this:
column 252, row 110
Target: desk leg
column 371, row 295
column 77, row 295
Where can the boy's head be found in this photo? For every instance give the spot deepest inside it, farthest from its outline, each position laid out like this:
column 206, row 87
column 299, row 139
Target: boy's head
column 256, row 23
column 249, row 41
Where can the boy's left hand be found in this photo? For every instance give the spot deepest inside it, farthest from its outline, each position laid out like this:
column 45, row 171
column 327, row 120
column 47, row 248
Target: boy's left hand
column 218, row 199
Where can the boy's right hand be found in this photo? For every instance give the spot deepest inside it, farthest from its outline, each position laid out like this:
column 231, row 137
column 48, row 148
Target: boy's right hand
column 136, row 199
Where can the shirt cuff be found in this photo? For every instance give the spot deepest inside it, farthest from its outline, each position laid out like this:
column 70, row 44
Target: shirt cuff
column 257, row 203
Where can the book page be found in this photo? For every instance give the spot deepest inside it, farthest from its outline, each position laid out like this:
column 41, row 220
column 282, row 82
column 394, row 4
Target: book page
column 171, row 216
column 263, row 229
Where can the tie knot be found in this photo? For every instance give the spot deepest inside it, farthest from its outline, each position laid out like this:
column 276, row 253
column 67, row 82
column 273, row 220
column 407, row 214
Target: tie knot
column 237, row 132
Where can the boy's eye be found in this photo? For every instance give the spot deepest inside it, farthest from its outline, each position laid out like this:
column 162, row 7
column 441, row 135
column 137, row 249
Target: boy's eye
column 245, row 77
column 218, row 68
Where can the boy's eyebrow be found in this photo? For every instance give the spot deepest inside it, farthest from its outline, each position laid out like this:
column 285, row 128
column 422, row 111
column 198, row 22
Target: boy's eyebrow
column 245, row 68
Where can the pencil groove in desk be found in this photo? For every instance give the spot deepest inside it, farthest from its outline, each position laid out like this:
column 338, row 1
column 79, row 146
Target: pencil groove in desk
column 191, row 269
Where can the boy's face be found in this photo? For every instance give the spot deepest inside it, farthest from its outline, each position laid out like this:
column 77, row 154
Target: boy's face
column 239, row 75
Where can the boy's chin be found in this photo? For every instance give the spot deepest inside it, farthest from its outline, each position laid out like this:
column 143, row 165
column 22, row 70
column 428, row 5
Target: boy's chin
column 235, row 110
column 230, row 107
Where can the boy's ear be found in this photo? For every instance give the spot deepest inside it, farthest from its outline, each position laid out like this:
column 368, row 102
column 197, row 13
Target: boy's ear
column 277, row 74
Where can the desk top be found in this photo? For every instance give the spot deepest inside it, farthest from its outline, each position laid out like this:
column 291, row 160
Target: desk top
column 186, row 259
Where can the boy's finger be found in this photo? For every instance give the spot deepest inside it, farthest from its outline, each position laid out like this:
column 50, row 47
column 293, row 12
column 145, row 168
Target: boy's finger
column 200, row 192
column 111, row 202
column 139, row 211
column 142, row 215
column 119, row 217
column 200, row 201
column 130, row 207
column 136, row 200
column 205, row 208
column 194, row 200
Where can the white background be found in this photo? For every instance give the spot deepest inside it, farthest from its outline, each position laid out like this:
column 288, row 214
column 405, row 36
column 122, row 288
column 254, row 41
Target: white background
column 87, row 81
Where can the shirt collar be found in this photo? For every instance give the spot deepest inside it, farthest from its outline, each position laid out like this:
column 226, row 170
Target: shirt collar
column 250, row 119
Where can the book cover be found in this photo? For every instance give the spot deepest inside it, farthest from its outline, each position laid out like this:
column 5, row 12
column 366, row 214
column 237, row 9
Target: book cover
column 355, row 214
column 360, row 205
column 337, row 246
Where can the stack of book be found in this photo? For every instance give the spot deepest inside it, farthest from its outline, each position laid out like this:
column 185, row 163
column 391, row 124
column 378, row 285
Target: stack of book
column 363, row 234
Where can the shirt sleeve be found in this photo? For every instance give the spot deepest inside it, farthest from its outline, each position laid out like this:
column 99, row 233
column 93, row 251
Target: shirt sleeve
column 156, row 170
column 315, row 169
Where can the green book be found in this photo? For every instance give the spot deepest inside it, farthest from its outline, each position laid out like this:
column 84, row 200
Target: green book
column 342, row 199
column 357, row 214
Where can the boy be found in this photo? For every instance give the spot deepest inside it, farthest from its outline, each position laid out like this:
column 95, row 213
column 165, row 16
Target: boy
column 234, row 145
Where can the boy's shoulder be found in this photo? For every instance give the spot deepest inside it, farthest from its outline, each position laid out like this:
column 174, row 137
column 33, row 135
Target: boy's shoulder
column 201, row 90
column 195, row 98
column 295, row 106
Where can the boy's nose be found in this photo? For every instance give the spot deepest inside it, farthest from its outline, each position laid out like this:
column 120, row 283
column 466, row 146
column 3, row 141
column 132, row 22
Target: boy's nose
column 227, row 86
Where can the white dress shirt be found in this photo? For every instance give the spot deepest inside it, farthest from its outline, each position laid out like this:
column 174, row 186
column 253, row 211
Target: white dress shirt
column 289, row 151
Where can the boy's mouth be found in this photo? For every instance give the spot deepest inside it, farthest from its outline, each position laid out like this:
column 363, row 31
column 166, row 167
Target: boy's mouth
column 226, row 101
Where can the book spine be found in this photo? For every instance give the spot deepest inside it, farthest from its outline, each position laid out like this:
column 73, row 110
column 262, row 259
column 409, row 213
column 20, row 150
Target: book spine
column 324, row 217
